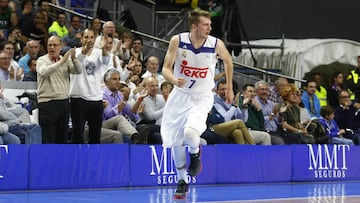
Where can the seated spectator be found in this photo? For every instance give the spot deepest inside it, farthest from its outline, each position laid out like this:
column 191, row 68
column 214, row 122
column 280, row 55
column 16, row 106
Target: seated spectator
column 6, row 71
column 152, row 110
column 347, row 116
column 32, row 74
column 152, row 68
column 114, row 62
column 275, row 90
column 125, row 45
column 337, row 84
column 154, row 103
column 268, row 109
column 26, row 15
column 10, row 114
column 15, row 72
column 255, row 120
column 295, row 133
column 228, row 120
column 6, row 137
column 58, row 27
column 166, row 88
column 96, row 27
column 44, row 6
column 137, row 48
column 310, row 100
column 116, row 109
column 33, row 49
column 108, row 30
column 74, row 35
column 331, row 127
column 8, row 17
column 37, row 31
column 14, row 36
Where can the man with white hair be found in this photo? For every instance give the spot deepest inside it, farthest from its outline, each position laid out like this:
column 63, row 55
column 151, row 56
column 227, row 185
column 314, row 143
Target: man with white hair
column 109, row 30
column 152, row 68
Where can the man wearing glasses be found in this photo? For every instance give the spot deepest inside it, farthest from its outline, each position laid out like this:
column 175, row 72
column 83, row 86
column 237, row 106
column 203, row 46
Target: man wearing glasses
column 53, row 90
column 347, row 116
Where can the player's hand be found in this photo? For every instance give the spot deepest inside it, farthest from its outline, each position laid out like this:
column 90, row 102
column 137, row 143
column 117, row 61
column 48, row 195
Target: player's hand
column 180, row 82
column 229, row 96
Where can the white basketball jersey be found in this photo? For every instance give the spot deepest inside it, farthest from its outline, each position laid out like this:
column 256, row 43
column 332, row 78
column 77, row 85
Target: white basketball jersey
column 197, row 66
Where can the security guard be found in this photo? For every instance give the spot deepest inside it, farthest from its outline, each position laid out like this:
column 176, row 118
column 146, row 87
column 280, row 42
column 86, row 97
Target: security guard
column 352, row 81
column 320, row 92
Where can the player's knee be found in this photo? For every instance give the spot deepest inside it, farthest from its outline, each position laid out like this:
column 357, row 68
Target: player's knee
column 192, row 136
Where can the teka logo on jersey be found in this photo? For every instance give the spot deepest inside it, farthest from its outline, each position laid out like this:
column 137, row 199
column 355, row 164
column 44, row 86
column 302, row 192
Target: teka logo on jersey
column 163, row 167
column 5, row 147
column 327, row 163
column 193, row 71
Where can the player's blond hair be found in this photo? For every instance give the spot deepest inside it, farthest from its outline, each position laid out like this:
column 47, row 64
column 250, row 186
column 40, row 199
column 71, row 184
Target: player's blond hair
column 195, row 14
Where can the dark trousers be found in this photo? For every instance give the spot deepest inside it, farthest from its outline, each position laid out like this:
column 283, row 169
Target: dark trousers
column 82, row 111
column 54, row 121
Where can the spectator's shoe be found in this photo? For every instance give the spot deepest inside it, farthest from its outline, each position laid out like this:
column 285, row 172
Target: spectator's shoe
column 181, row 190
column 139, row 138
column 195, row 164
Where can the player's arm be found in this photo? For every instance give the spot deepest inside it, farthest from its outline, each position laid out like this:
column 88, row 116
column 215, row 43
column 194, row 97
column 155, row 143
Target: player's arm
column 229, row 67
column 167, row 70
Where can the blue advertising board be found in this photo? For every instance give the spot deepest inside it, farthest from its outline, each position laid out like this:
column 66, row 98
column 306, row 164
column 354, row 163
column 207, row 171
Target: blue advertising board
column 78, row 166
column 14, row 163
column 35, row 167
column 153, row 165
column 326, row 162
column 247, row 163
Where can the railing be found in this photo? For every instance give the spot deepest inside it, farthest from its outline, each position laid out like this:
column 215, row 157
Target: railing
column 156, row 39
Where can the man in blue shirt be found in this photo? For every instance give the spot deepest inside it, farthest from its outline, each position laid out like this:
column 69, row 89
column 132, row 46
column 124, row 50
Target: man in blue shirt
column 268, row 109
column 310, row 100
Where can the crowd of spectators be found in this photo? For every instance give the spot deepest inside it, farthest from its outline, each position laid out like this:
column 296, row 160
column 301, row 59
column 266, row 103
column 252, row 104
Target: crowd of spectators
column 95, row 85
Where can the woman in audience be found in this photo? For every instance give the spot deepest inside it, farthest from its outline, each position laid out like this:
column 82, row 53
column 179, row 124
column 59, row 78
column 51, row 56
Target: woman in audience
column 337, row 84
column 290, row 117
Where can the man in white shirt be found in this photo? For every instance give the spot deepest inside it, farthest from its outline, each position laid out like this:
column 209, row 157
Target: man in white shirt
column 109, row 30
column 152, row 68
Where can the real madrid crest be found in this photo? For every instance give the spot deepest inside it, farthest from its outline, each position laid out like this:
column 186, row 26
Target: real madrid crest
column 184, row 54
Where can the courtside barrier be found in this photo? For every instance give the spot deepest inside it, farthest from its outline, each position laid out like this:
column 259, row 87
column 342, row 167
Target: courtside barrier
column 14, row 167
column 52, row 166
column 78, row 166
column 326, row 162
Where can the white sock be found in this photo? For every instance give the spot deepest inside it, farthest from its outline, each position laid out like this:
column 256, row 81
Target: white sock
column 179, row 156
column 192, row 138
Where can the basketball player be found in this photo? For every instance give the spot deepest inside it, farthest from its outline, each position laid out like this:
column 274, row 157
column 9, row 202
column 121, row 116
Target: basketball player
column 194, row 56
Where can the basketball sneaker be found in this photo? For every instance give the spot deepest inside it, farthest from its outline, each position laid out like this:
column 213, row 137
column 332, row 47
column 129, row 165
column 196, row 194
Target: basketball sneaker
column 181, row 190
column 195, row 164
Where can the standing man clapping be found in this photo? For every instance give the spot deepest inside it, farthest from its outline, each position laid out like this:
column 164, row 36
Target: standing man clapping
column 53, row 90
